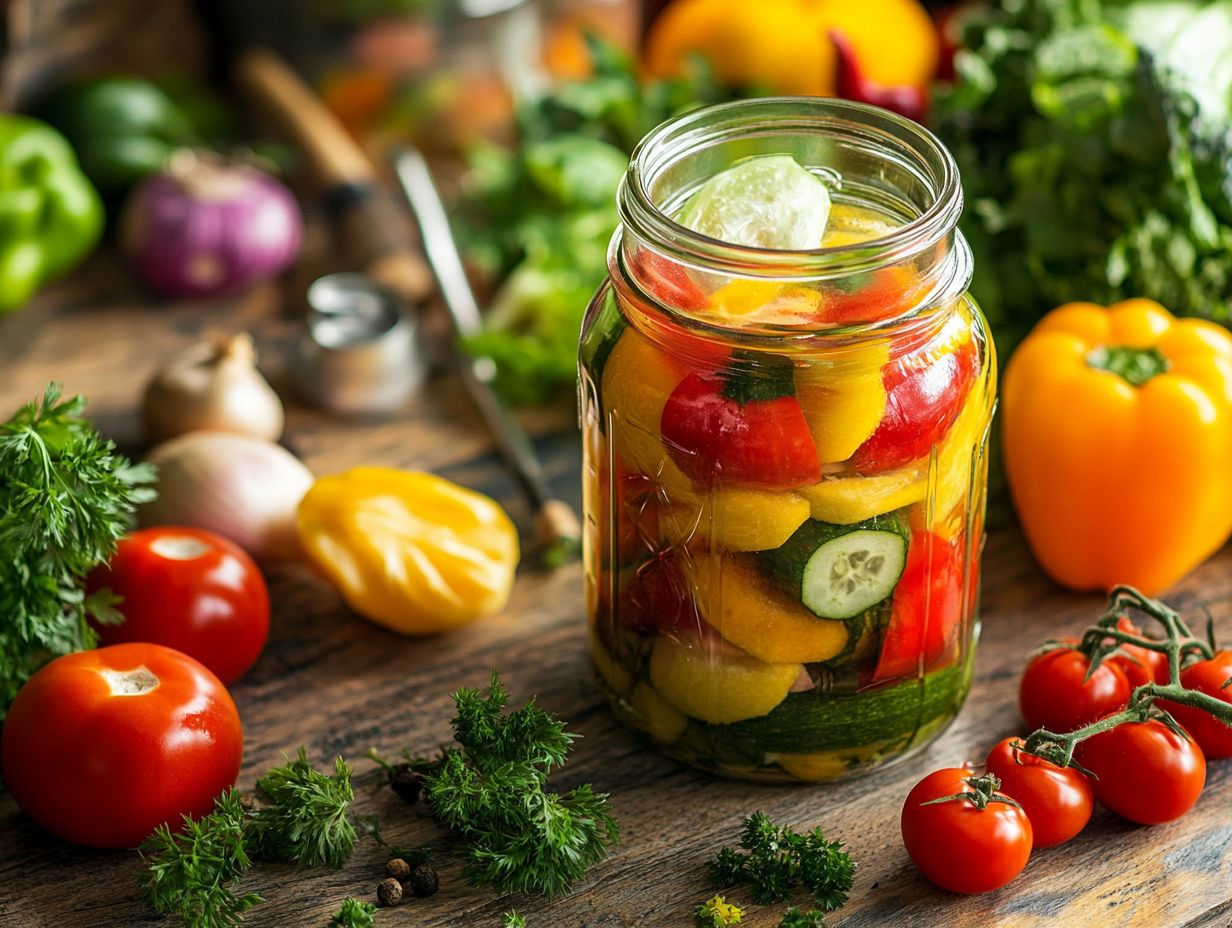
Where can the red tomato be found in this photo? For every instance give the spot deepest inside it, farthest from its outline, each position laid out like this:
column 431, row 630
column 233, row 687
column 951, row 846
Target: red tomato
column 1141, row 665
column 926, row 608
column 739, row 428
column 1145, row 772
column 1058, row 800
column 1212, row 735
column 191, row 590
column 956, row 844
column 101, row 747
column 924, row 392
column 1053, row 695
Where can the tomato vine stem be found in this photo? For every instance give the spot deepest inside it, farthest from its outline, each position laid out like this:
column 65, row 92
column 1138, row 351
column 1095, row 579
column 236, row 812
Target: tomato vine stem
column 1103, row 639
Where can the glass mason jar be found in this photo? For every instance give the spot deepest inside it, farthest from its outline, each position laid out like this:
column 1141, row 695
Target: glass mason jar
column 785, row 472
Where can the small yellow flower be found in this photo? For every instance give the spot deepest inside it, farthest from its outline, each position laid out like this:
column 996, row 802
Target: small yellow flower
column 717, row 912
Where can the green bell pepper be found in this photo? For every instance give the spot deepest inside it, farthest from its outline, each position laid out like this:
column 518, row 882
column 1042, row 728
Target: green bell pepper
column 122, row 128
column 50, row 214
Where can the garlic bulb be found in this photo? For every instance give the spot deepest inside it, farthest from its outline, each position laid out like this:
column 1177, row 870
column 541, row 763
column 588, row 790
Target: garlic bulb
column 213, row 384
column 244, row 488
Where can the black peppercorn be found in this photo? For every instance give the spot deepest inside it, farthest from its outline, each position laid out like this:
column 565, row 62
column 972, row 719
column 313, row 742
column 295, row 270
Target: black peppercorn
column 398, row 868
column 388, row 892
column 404, row 781
column 424, row 881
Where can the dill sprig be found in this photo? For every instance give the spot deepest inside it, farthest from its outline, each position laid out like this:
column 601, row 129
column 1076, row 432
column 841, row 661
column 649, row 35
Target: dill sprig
column 776, row 860
column 304, row 819
column 354, row 914
column 66, row 497
column 191, row 873
column 491, row 790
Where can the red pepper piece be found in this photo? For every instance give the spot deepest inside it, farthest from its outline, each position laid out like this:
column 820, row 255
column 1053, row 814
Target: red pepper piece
column 657, row 598
column 741, row 426
column 873, row 297
column 851, row 84
column 667, row 281
column 925, row 610
column 924, row 393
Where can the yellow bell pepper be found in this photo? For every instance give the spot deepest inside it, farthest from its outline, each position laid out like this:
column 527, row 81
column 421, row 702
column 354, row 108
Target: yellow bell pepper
column 410, row 551
column 1118, row 443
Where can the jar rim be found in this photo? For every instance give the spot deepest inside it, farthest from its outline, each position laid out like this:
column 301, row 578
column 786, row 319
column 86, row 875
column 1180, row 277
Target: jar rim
column 916, row 146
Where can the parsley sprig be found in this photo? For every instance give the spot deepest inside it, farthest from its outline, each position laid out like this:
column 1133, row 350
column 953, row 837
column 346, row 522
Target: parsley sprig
column 775, row 860
column 492, row 791
column 66, row 497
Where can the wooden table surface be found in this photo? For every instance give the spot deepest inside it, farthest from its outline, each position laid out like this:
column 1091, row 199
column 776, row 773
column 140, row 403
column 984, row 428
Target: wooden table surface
column 337, row 684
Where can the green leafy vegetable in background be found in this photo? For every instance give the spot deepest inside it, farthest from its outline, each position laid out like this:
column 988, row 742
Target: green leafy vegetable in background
column 492, row 791
column 65, row 499
column 1091, row 171
column 774, row 860
column 537, row 219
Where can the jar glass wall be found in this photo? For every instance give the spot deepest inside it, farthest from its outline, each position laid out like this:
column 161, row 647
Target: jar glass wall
column 785, row 453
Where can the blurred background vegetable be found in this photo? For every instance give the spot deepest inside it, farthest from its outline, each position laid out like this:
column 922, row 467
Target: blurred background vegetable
column 50, row 215
column 244, row 488
column 1094, row 157
column 203, row 226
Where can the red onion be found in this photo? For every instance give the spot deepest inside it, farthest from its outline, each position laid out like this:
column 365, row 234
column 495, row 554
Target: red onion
column 204, row 226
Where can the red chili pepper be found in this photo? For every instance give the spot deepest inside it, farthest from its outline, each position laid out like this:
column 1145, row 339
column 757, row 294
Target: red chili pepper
column 851, row 84
column 925, row 610
column 741, row 426
column 924, row 392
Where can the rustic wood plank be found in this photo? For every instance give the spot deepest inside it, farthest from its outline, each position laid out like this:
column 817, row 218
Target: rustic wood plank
column 338, row 684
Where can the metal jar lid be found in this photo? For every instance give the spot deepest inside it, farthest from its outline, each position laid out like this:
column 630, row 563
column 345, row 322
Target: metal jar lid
column 361, row 354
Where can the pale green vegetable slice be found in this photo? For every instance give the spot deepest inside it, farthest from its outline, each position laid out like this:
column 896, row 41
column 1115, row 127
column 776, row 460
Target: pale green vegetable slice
column 769, row 201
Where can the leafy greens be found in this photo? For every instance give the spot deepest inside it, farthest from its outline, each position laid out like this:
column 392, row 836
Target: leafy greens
column 1091, row 171
column 66, row 498
column 538, row 218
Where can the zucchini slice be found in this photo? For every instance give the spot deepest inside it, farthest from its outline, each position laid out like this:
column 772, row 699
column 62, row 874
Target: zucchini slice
column 840, row 571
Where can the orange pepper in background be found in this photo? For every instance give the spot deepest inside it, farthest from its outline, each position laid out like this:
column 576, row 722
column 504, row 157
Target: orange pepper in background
column 1117, row 433
column 783, row 46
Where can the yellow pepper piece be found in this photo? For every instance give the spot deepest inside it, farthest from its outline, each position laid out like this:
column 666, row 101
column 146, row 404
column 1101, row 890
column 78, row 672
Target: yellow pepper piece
column 847, row 500
column 637, row 380
column 717, row 684
column 743, row 607
column 733, row 518
column 1118, row 443
column 765, row 301
column 612, row 672
column 660, row 719
column 410, row 551
column 843, row 415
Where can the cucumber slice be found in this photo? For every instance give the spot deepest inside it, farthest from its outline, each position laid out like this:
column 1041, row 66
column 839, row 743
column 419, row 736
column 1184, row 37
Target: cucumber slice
column 840, row 571
column 808, row 723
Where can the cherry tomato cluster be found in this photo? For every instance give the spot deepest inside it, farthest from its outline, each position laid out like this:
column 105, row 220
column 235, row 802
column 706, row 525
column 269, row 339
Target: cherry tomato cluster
column 101, row 747
column 1140, row 755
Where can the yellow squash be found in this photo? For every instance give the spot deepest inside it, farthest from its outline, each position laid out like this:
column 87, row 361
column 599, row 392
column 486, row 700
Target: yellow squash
column 1118, row 443
column 410, row 551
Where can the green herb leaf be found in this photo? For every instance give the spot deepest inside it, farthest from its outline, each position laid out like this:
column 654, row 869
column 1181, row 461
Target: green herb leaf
column 796, row 918
column 304, row 819
column 512, row 919
column 354, row 914
column 191, row 873
column 776, row 860
column 65, row 500
column 491, row 790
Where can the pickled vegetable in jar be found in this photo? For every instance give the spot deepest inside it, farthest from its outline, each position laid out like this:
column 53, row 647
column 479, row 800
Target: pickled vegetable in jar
column 785, row 395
